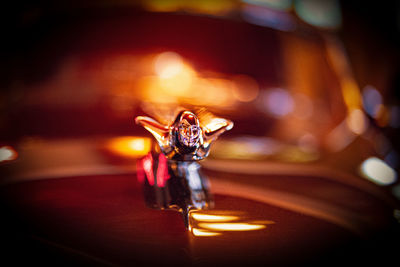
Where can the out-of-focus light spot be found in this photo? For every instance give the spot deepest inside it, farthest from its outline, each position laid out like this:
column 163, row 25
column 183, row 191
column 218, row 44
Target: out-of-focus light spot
column 274, row 4
column 351, row 93
column 303, row 106
column 394, row 117
column 7, row 153
column 198, row 232
column 232, row 226
column 213, row 218
column 372, row 99
column 308, row 143
column 175, row 76
column 245, row 89
column 266, row 17
column 168, row 64
column 277, row 102
column 340, row 137
column 130, row 146
column 377, row 171
column 324, row 14
column 356, row 121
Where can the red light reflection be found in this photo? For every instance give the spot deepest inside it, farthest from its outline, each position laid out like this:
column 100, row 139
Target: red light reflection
column 162, row 171
column 145, row 168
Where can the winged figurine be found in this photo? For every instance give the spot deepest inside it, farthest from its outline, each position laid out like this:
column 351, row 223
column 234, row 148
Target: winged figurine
column 187, row 137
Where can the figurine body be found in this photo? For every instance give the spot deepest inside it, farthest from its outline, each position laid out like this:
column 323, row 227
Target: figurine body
column 185, row 139
column 173, row 179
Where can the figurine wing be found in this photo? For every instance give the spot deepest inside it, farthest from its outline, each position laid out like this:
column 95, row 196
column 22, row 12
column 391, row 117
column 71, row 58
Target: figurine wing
column 212, row 125
column 158, row 130
column 215, row 127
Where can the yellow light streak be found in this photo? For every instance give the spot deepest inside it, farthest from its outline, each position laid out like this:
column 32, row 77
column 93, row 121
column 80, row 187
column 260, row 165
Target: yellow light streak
column 232, row 226
column 213, row 218
column 198, row 232
column 130, row 146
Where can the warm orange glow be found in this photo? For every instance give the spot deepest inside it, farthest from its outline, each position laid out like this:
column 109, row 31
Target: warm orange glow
column 232, row 226
column 356, row 121
column 213, row 218
column 209, row 7
column 168, row 64
column 175, row 81
column 245, row 89
column 7, row 153
column 175, row 77
column 351, row 93
column 130, row 146
column 198, row 232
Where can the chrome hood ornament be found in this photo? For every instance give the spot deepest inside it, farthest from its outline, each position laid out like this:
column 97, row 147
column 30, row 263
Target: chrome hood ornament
column 187, row 138
column 173, row 179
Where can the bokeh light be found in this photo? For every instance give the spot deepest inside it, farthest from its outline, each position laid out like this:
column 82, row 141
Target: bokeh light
column 129, row 146
column 277, row 102
column 377, row 171
column 245, row 89
column 7, row 153
column 324, row 14
column 372, row 100
column 356, row 121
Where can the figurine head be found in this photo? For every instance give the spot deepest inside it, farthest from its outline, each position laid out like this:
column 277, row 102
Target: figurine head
column 188, row 129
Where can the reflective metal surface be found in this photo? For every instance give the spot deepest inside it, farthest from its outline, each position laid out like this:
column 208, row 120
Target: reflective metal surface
column 175, row 185
column 186, row 138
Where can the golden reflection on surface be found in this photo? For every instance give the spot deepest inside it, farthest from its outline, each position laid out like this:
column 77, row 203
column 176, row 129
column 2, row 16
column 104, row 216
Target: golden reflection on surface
column 232, row 226
column 198, row 232
column 217, row 222
column 7, row 153
column 130, row 146
column 213, row 218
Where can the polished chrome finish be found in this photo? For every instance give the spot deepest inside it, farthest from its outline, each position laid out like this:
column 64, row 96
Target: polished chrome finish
column 176, row 185
column 173, row 179
column 186, row 138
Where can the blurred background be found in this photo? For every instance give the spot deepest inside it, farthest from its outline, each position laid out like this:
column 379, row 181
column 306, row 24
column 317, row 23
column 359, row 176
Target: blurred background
column 306, row 82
